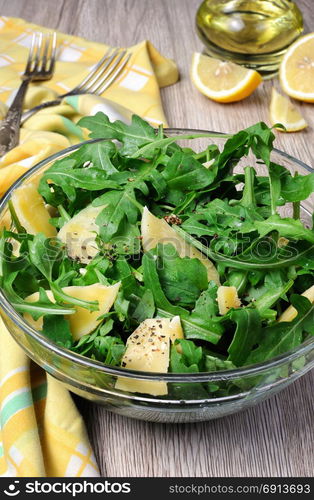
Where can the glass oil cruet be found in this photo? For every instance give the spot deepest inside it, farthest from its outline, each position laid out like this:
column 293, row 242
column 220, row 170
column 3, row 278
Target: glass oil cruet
column 255, row 33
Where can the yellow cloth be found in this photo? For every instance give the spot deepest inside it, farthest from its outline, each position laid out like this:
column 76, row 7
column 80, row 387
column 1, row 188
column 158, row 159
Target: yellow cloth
column 41, row 431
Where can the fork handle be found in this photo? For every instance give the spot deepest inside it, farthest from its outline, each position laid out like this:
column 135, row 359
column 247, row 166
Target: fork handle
column 10, row 126
column 30, row 112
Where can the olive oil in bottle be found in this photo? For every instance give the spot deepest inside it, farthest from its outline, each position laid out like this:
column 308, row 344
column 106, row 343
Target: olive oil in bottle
column 255, row 33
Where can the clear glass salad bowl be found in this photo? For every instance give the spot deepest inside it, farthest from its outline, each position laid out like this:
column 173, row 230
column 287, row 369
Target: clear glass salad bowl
column 95, row 381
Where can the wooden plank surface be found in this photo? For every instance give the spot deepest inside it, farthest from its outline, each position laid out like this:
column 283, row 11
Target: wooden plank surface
column 276, row 437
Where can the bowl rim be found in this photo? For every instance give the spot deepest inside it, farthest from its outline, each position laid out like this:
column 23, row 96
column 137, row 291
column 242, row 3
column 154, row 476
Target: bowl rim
column 246, row 371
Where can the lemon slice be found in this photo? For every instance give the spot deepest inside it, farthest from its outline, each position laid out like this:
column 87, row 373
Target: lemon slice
column 297, row 69
column 282, row 111
column 223, row 81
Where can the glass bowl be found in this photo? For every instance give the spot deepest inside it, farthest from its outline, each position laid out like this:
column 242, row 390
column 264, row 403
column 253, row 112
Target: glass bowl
column 96, row 382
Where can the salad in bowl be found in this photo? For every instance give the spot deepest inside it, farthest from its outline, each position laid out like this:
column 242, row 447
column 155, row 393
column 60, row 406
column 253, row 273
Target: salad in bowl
column 146, row 256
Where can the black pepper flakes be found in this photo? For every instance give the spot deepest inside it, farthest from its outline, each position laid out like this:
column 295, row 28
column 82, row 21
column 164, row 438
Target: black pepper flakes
column 173, row 219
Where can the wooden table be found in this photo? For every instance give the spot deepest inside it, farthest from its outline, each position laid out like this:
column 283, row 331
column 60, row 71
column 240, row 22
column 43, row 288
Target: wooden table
column 276, row 437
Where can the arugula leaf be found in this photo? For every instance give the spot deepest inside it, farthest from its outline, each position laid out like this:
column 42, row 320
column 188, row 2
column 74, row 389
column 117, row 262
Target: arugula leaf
column 247, row 334
column 199, row 325
column 59, row 294
column 43, row 254
column 282, row 337
column 64, row 174
column 270, row 297
column 152, row 283
column 41, row 307
column 86, row 343
column 2, row 254
column 248, row 197
column 101, row 346
column 18, row 226
column 258, row 137
column 94, row 272
column 121, row 306
column 275, row 172
column 126, row 241
column 182, row 279
column 302, row 254
column 123, row 271
column 185, row 356
column 238, row 279
column 297, row 188
column 206, row 305
column 139, row 139
column 287, row 227
column 234, row 149
column 261, row 140
column 194, row 325
column 108, row 349
column 145, row 307
column 132, row 136
column 214, row 364
column 118, row 205
column 106, row 327
column 97, row 154
column 57, row 329
column 189, row 172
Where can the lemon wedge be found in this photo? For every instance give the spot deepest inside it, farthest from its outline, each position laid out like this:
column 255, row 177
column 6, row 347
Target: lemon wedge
column 223, row 81
column 296, row 72
column 282, row 111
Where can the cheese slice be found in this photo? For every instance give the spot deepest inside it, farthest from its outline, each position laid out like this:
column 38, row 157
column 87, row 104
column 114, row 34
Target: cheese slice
column 155, row 230
column 82, row 321
column 31, row 210
column 227, row 298
column 79, row 234
column 148, row 350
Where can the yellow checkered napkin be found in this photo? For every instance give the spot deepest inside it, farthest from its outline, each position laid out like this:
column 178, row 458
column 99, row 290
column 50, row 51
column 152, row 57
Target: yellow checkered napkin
column 41, row 431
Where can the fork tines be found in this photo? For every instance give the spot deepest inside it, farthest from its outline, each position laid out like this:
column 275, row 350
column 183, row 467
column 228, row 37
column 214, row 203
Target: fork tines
column 104, row 72
column 42, row 54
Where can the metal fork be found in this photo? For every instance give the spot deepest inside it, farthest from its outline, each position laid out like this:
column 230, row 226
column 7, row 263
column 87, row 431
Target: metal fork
column 40, row 66
column 102, row 75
